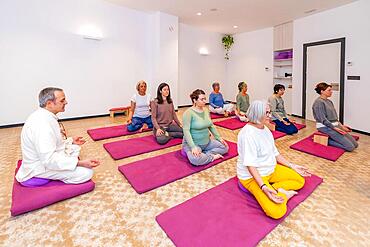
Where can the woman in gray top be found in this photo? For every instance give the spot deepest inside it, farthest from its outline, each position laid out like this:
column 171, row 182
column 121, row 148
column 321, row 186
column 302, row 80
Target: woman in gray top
column 242, row 101
column 164, row 118
column 279, row 116
column 327, row 120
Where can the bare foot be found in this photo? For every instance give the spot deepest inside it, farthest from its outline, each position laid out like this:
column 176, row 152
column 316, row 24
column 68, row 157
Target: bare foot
column 289, row 193
column 217, row 156
column 145, row 126
column 226, row 114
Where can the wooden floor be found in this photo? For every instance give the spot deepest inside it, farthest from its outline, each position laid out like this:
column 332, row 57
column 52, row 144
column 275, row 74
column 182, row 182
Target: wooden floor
column 336, row 214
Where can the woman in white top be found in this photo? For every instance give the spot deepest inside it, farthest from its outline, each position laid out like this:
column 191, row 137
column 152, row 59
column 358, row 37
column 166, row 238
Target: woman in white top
column 140, row 109
column 271, row 184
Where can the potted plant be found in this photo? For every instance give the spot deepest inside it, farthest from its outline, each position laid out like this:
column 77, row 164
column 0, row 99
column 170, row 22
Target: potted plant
column 227, row 41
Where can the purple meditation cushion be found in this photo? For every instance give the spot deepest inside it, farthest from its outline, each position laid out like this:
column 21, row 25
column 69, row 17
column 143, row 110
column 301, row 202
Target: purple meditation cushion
column 242, row 188
column 35, row 182
column 183, row 153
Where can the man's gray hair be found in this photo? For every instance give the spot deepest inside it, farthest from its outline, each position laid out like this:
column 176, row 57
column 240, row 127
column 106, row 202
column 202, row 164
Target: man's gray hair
column 256, row 111
column 47, row 94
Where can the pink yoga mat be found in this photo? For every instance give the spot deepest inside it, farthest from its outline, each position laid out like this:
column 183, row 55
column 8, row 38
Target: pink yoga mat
column 111, row 132
column 216, row 116
column 135, row 146
column 231, row 123
column 277, row 134
column 299, row 126
column 148, row 174
column 327, row 152
column 26, row 199
column 224, row 216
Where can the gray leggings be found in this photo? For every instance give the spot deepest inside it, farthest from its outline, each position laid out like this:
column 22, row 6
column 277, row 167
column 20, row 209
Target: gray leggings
column 172, row 131
column 346, row 142
column 213, row 147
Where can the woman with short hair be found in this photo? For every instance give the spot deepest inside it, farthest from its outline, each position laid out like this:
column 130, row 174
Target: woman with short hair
column 279, row 116
column 261, row 169
column 242, row 101
column 217, row 104
column 140, row 109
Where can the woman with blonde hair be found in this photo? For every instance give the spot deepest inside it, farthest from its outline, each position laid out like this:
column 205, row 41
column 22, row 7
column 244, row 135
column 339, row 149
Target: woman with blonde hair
column 140, row 109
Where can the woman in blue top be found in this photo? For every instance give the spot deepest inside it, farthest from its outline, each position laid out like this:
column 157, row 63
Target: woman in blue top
column 216, row 102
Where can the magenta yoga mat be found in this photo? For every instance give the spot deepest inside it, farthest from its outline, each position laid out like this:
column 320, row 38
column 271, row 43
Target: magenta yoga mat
column 151, row 173
column 225, row 216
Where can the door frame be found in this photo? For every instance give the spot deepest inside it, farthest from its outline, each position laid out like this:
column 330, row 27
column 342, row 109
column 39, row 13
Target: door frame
column 342, row 42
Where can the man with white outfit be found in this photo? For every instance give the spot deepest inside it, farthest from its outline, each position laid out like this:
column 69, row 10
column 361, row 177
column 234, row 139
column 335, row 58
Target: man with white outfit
column 46, row 154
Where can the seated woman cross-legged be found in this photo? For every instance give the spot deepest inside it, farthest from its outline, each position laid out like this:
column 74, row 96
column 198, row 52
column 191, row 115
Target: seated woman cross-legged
column 327, row 120
column 164, row 118
column 217, row 104
column 139, row 117
column 197, row 144
column 242, row 101
column 279, row 116
column 264, row 172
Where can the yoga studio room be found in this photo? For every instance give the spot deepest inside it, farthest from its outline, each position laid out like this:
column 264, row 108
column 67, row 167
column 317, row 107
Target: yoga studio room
column 189, row 123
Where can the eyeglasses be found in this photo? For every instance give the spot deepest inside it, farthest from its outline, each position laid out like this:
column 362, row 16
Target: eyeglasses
column 63, row 131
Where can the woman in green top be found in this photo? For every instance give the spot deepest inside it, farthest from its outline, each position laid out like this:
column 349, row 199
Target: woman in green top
column 242, row 101
column 197, row 144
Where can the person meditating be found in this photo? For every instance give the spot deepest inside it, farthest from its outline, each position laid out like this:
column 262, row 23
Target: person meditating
column 327, row 120
column 216, row 102
column 139, row 117
column 197, row 144
column 46, row 152
column 242, row 101
column 261, row 169
column 279, row 116
column 164, row 118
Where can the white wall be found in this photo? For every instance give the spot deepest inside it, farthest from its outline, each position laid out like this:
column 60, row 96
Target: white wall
column 39, row 47
column 195, row 70
column 164, row 33
column 251, row 53
column 352, row 22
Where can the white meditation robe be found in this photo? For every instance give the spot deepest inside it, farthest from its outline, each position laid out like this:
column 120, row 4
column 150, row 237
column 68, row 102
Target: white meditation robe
column 46, row 154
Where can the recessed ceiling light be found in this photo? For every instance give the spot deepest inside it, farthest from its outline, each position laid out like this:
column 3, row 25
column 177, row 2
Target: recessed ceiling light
column 199, row 13
column 235, row 26
column 214, row 9
column 310, row 11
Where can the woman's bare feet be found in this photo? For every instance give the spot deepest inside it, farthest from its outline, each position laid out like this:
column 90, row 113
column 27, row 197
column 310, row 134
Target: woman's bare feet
column 217, row 156
column 289, row 193
column 145, row 127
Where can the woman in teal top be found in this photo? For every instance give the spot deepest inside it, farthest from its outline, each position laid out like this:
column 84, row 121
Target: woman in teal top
column 197, row 144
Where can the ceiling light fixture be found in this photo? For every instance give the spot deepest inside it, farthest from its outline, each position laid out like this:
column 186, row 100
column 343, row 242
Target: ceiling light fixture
column 235, row 26
column 214, row 9
column 199, row 13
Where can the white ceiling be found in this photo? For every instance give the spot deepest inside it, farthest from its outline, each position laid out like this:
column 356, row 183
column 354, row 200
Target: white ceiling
column 248, row 15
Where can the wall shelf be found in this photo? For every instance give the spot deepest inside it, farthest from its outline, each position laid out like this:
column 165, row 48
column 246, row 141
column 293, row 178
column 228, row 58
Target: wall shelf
column 284, row 78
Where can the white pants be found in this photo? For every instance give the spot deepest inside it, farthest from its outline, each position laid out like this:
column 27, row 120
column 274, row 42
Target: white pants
column 78, row 176
column 221, row 110
column 242, row 118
